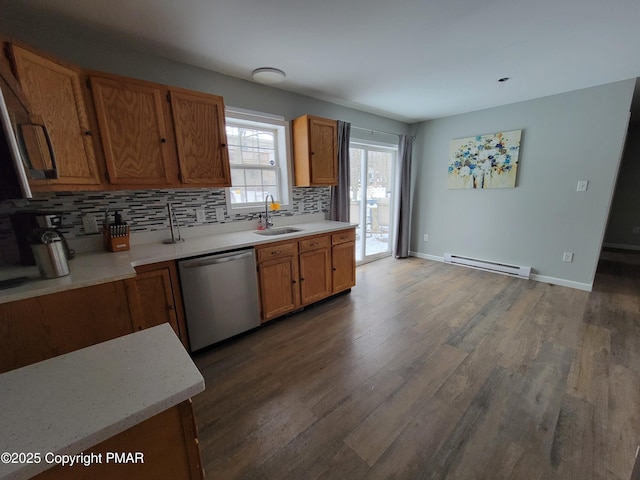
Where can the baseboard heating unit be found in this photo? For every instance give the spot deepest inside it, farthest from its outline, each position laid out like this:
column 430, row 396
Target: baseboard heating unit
column 497, row 267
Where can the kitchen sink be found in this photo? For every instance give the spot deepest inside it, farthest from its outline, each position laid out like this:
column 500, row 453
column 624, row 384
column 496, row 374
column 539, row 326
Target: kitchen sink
column 277, row 231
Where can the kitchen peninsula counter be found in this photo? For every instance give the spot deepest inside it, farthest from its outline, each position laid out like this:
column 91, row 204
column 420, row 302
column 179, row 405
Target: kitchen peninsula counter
column 70, row 403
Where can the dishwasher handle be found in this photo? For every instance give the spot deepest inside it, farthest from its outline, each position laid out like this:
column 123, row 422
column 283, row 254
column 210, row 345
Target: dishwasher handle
column 216, row 259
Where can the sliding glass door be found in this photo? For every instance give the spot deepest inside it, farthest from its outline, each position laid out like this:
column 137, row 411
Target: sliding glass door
column 372, row 198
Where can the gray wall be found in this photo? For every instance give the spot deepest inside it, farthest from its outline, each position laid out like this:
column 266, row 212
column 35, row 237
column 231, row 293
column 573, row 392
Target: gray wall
column 566, row 138
column 625, row 210
column 93, row 49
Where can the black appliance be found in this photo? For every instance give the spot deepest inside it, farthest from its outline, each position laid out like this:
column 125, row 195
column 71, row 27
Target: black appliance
column 24, row 225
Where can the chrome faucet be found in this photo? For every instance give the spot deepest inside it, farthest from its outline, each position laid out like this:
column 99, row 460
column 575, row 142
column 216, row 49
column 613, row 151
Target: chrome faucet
column 267, row 221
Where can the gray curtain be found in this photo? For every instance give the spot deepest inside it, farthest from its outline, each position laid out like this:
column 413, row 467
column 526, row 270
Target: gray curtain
column 403, row 206
column 339, row 208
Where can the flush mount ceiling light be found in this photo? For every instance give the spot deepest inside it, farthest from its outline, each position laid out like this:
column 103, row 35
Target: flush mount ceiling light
column 268, row 75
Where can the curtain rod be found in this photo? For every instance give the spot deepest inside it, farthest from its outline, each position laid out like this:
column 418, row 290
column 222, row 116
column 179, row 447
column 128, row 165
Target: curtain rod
column 376, row 131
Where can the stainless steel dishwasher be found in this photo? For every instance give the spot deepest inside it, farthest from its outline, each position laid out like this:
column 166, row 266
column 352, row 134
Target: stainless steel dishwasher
column 220, row 294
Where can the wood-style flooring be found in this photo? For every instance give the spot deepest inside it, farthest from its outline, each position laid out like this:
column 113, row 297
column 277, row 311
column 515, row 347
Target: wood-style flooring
column 433, row 371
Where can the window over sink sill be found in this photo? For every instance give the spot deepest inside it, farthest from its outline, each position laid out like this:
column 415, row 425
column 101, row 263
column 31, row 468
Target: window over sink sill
column 259, row 157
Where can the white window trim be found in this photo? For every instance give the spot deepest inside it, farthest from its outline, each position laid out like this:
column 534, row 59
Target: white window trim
column 284, row 143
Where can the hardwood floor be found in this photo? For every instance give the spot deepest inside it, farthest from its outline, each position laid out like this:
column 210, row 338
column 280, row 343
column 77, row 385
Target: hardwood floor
column 432, row 371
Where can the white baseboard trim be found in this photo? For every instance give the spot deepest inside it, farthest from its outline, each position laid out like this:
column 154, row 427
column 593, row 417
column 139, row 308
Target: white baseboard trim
column 587, row 287
column 538, row 278
column 622, row 246
column 426, row 256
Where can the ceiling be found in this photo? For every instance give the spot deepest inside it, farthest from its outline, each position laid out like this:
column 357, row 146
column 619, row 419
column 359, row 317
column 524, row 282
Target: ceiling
column 410, row 60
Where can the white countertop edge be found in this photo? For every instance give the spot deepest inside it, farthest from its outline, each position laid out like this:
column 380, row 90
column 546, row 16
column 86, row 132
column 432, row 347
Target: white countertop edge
column 89, row 269
column 170, row 369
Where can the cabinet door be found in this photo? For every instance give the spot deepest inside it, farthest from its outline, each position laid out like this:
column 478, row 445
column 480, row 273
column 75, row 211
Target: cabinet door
column 167, row 440
column 278, row 287
column 201, row 140
column 154, row 298
column 323, row 141
column 43, row 327
column 55, row 95
column 315, row 151
column 344, row 266
column 315, row 275
column 134, row 134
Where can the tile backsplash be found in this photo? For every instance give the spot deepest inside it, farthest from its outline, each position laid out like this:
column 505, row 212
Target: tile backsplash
column 144, row 210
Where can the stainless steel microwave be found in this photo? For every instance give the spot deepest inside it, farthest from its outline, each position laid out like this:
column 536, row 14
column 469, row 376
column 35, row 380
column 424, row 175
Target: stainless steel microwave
column 26, row 151
column 12, row 158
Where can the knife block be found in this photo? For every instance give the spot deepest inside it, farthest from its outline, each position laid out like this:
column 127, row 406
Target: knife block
column 114, row 242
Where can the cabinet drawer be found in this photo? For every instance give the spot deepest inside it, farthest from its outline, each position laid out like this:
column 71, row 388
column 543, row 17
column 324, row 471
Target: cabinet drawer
column 276, row 251
column 314, row 243
column 342, row 237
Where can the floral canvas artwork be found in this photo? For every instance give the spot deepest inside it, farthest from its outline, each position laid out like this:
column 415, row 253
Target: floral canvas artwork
column 484, row 161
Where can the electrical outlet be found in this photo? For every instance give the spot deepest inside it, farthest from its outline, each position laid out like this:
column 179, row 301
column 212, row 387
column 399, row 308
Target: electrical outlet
column 89, row 224
column 201, row 216
column 219, row 214
column 567, row 257
column 635, row 230
column 582, row 185
column 426, row 237
column 320, row 205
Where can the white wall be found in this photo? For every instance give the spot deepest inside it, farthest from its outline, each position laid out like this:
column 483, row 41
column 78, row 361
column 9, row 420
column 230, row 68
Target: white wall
column 566, row 138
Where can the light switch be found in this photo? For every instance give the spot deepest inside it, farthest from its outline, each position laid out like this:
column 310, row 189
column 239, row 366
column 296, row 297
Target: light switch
column 582, row 185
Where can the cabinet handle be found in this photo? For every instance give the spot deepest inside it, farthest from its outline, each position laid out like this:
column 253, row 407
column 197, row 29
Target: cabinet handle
column 88, row 133
column 170, row 307
column 313, row 244
column 277, row 252
column 334, row 269
column 163, row 140
column 301, row 279
column 293, row 281
column 223, row 145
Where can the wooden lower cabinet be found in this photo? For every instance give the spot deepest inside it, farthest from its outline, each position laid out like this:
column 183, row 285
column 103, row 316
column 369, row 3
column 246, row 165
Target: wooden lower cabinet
column 39, row 328
column 343, row 260
column 315, row 269
column 278, row 279
column 293, row 274
column 155, row 298
column 43, row 327
column 167, row 442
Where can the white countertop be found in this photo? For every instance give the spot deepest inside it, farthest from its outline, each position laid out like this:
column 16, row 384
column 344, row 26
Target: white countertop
column 72, row 402
column 94, row 268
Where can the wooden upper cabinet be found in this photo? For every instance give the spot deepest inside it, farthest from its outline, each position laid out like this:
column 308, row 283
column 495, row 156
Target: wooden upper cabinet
column 201, row 140
column 315, row 151
column 131, row 116
column 55, row 95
